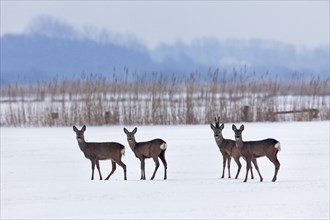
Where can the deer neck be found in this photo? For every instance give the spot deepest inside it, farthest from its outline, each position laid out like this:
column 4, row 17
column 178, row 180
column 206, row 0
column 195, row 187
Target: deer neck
column 82, row 144
column 239, row 142
column 219, row 139
column 132, row 144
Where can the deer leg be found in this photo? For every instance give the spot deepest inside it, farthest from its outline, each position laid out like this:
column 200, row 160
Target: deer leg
column 162, row 158
column 254, row 161
column 93, row 167
column 239, row 166
column 223, row 165
column 98, row 168
column 257, row 168
column 252, row 177
column 143, row 176
column 112, row 171
column 228, row 164
column 248, row 166
column 120, row 163
column 276, row 163
column 156, row 167
column 277, row 166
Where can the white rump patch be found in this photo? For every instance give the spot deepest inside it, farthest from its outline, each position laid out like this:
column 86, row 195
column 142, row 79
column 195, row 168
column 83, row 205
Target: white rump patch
column 123, row 152
column 278, row 146
column 163, row 146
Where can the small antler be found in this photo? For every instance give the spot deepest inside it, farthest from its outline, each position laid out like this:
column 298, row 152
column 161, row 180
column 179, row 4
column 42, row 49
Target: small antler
column 217, row 122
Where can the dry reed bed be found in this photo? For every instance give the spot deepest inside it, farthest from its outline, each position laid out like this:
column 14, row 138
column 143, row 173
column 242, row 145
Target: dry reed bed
column 157, row 99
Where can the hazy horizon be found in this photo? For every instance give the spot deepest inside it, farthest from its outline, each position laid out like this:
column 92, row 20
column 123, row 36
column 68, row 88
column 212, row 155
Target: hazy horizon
column 279, row 38
column 303, row 24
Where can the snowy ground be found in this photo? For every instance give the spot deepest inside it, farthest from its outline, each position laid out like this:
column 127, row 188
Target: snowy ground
column 45, row 175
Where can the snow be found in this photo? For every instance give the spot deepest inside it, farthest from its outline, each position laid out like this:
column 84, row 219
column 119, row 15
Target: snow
column 45, row 175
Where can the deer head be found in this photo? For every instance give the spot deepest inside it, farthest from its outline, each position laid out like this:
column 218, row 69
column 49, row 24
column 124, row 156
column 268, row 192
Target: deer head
column 130, row 135
column 238, row 132
column 79, row 133
column 217, row 129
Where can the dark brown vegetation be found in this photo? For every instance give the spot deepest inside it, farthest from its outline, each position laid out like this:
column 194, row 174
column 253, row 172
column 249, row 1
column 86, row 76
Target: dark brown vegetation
column 158, row 99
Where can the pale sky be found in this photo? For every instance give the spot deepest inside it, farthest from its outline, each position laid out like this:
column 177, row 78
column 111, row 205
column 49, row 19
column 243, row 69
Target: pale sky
column 301, row 23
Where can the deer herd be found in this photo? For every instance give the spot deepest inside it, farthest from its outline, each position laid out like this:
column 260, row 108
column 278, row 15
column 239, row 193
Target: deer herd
column 156, row 148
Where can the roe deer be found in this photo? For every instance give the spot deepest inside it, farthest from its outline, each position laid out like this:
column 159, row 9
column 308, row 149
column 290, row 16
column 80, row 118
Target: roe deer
column 101, row 151
column 254, row 149
column 227, row 149
column 154, row 148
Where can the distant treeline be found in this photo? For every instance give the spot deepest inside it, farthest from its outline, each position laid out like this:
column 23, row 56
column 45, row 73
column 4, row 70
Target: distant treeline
column 154, row 99
column 55, row 48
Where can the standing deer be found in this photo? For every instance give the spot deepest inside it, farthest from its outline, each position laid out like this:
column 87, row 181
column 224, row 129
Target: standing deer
column 101, row 151
column 254, row 149
column 228, row 149
column 154, row 148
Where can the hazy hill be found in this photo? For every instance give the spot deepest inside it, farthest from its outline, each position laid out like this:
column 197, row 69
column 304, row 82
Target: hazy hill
column 257, row 55
column 41, row 58
column 51, row 49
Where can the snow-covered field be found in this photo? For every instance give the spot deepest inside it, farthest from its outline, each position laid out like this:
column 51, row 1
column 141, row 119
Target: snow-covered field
column 45, row 175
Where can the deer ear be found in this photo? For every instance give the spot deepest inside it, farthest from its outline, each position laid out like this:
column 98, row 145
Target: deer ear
column 241, row 128
column 234, row 128
column 75, row 128
column 135, row 130
column 125, row 130
column 212, row 126
column 222, row 126
column 84, row 128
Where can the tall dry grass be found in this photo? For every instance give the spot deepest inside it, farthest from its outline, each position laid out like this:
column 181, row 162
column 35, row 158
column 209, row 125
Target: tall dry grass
column 165, row 99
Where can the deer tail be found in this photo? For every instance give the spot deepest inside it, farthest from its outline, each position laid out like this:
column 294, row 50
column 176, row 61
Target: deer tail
column 123, row 152
column 163, row 146
column 278, row 146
